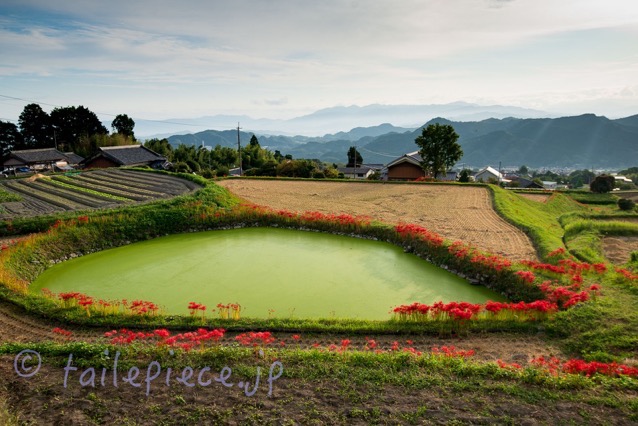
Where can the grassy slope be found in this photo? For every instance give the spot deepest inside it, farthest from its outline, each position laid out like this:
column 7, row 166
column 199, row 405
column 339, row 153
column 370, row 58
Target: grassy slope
column 539, row 220
column 605, row 329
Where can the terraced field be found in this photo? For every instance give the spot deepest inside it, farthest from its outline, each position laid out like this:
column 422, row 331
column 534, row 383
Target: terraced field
column 455, row 212
column 95, row 189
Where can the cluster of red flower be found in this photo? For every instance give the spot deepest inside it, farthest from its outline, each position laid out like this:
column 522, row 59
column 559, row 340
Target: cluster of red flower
column 162, row 337
column 416, row 231
column 255, row 339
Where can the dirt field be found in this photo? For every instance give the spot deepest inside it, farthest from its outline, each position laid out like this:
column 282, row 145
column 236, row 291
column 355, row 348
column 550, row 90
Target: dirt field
column 618, row 249
column 456, row 213
column 541, row 198
column 39, row 197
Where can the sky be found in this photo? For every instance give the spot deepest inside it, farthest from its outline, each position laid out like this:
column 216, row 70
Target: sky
column 160, row 59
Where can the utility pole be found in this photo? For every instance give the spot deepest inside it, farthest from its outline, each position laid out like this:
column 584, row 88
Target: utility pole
column 355, row 161
column 239, row 148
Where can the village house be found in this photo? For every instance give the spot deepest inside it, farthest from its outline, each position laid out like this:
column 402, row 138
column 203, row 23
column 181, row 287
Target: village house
column 126, row 155
column 362, row 171
column 42, row 159
column 488, row 174
column 406, row 167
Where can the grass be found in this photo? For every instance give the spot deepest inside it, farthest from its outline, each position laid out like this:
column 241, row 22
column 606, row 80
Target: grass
column 6, row 196
column 605, row 329
column 539, row 220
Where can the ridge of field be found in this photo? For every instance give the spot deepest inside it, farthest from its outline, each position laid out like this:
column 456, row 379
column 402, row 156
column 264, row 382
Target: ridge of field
column 94, row 189
column 463, row 213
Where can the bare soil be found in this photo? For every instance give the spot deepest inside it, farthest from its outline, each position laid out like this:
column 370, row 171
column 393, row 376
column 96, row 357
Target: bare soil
column 455, row 212
column 618, row 249
column 161, row 186
column 541, row 198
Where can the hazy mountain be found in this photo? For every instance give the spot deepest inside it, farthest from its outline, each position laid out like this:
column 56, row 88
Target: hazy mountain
column 334, row 120
column 583, row 141
column 578, row 142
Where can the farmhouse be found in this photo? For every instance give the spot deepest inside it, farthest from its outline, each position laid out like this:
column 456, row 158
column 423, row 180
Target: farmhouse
column 127, row 155
column 524, row 183
column 406, row 167
column 488, row 173
column 362, row 171
column 41, row 159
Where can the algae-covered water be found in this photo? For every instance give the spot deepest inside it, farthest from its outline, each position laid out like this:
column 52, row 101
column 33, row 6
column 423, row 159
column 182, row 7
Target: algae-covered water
column 270, row 272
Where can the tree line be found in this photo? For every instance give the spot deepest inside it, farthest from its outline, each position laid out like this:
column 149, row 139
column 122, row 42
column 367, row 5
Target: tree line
column 255, row 161
column 71, row 128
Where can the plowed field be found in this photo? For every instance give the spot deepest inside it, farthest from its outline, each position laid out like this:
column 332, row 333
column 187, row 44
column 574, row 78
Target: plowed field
column 456, row 212
column 89, row 190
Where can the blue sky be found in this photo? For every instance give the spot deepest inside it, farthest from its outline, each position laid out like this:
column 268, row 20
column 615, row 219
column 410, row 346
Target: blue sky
column 284, row 58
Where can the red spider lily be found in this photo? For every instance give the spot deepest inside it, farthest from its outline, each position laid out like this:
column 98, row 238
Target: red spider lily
column 344, row 344
column 513, row 366
column 578, row 366
column 256, row 339
column 413, row 351
column 370, row 344
column 627, row 274
column 63, row 332
column 143, row 307
column 558, row 252
column 451, row 352
column 416, row 231
column 526, row 276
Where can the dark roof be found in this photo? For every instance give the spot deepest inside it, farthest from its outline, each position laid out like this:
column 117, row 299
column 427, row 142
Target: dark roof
column 359, row 169
column 73, row 158
column 128, row 155
column 412, row 157
column 526, row 183
column 44, row 155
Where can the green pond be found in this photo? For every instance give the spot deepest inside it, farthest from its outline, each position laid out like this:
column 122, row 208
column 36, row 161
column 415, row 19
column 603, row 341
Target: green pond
column 270, row 272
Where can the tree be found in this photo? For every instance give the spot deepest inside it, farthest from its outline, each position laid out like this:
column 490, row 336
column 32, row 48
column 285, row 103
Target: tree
column 578, row 178
column 352, row 152
column 10, row 138
column 465, row 176
column 438, row 148
column 626, row 204
column 602, row 184
column 123, row 125
column 73, row 123
column 523, row 170
column 35, row 126
column 161, row 147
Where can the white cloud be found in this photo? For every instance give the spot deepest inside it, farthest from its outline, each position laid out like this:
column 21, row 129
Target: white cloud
column 316, row 54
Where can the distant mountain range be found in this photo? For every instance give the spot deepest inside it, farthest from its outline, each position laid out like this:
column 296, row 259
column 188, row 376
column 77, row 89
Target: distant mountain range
column 583, row 141
column 333, row 120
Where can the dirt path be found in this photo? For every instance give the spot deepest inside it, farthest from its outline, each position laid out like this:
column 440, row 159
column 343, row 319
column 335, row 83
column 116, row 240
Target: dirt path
column 455, row 212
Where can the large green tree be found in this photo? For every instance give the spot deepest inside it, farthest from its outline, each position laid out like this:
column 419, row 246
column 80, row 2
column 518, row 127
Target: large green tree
column 73, row 123
column 10, row 138
column 124, row 125
column 602, row 184
column 35, row 126
column 439, row 149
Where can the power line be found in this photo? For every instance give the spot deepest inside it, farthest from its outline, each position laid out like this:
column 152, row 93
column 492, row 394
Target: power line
column 377, row 153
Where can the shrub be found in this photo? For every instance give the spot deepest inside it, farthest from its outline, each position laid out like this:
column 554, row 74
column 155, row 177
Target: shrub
column 626, row 204
column 602, row 184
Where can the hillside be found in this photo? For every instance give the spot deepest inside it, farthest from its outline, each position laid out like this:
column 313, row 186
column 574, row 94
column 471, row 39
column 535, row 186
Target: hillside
column 583, row 141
